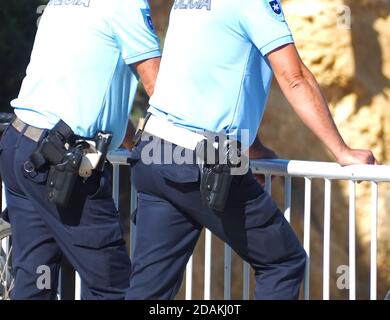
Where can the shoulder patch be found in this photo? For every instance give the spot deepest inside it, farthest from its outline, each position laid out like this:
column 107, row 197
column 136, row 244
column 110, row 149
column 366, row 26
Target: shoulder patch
column 275, row 9
column 148, row 19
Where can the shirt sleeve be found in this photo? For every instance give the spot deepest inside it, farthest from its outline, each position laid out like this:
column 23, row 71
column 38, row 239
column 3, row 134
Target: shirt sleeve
column 134, row 31
column 264, row 24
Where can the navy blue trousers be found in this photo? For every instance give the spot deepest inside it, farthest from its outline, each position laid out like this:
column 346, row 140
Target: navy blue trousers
column 171, row 216
column 88, row 232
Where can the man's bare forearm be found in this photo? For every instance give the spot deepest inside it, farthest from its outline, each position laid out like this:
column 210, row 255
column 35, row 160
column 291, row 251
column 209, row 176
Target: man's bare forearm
column 303, row 92
column 148, row 70
column 308, row 102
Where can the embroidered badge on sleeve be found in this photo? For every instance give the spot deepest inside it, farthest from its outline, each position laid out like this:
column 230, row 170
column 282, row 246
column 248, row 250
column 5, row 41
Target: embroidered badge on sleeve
column 275, row 9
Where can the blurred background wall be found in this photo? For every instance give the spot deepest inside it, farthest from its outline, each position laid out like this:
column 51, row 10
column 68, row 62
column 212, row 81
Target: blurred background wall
column 18, row 25
column 346, row 44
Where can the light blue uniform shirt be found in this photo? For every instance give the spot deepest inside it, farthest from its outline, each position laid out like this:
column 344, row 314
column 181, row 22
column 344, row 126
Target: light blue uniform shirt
column 79, row 65
column 214, row 72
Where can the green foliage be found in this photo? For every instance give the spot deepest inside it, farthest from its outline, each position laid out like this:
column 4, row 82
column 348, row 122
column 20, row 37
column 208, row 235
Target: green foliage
column 18, row 27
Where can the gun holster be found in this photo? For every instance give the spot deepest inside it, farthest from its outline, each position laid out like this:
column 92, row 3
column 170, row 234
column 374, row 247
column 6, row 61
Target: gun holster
column 63, row 176
column 58, row 151
column 216, row 172
column 215, row 181
column 63, row 152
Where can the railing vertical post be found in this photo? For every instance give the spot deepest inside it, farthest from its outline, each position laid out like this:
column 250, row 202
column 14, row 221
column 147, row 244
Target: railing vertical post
column 306, row 236
column 115, row 184
column 133, row 229
column 188, row 295
column 78, row 287
column 227, row 273
column 3, row 199
column 246, row 281
column 4, row 243
column 374, row 239
column 287, row 198
column 268, row 184
column 352, row 240
column 327, row 220
column 207, row 271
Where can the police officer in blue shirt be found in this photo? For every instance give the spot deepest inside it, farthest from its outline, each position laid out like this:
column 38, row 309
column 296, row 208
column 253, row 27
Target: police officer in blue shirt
column 82, row 78
column 215, row 76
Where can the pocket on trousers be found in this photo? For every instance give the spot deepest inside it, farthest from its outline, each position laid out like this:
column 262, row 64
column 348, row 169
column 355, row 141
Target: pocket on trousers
column 96, row 237
column 259, row 210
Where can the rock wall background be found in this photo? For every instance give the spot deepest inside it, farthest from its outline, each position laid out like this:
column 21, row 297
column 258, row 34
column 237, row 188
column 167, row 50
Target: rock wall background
column 352, row 64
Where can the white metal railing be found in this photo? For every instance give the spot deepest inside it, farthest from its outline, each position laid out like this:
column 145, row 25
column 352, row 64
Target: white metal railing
column 308, row 170
column 329, row 172
column 5, row 242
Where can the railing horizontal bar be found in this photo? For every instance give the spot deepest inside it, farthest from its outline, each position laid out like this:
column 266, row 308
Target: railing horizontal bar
column 323, row 170
column 296, row 168
column 119, row 156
